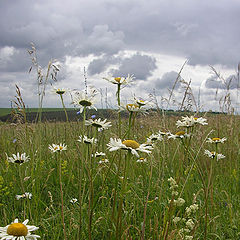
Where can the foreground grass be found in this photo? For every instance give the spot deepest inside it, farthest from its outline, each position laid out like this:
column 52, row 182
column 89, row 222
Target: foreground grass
column 101, row 189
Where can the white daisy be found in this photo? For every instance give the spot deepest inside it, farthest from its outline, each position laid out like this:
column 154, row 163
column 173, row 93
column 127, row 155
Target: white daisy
column 57, row 147
column 98, row 123
column 218, row 156
column 180, row 134
column 73, row 200
column 104, row 160
column 82, row 100
column 85, row 139
column 141, row 160
column 154, row 138
column 18, row 231
column 130, row 145
column 216, row 140
column 133, row 107
column 18, row 158
column 191, row 121
column 60, row 91
column 120, row 80
column 26, row 195
column 98, row 154
column 140, row 102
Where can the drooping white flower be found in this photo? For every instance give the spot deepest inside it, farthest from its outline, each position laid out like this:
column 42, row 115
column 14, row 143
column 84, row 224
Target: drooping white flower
column 98, row 154
column 18, row 158
column 98, row 123
column 180, row 134
column 154, row 138
column 60, row 91
column 218, row 156
column 131, row 145
column 26, row 195
column 73, row 200
column 87, row 140
column 18, row 231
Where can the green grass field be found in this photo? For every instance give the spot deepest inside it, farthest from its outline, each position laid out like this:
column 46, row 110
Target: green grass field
column 123, row 198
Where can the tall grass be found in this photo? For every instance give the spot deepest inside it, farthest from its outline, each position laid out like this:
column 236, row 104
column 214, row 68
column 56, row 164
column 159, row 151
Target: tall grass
column 145, row 196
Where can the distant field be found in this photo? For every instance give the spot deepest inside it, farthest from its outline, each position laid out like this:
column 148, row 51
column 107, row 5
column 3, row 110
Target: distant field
column 5, row 111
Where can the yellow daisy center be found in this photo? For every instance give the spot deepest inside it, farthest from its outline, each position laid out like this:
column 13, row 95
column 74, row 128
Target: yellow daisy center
column 131, row 143
column 180, row 133
column 85, row 103
column 60, row 148
column 216, row 139
column 17, row 229
column 55, row 148
column 141, row 102
column 130, row 106
column 117, row 79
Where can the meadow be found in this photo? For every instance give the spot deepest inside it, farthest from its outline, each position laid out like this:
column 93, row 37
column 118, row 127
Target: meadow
column 139, row 173
column 120, row 195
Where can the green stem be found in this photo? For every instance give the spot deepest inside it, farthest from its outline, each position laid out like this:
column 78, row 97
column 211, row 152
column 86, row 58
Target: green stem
column 64, row 107
column 119, row 113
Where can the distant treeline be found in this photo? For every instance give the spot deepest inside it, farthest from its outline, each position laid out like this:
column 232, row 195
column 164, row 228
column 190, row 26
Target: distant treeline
column 74, row 115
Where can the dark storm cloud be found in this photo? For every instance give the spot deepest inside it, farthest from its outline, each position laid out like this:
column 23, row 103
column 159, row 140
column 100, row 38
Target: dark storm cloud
column 141, row 65
column 167, row 81
column 230, row 82
column 204, row 32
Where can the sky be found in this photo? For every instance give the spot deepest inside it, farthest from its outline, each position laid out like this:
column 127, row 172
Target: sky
column 152, row 39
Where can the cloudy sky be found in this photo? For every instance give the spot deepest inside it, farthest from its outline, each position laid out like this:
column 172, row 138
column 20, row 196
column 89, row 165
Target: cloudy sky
column 151, row 39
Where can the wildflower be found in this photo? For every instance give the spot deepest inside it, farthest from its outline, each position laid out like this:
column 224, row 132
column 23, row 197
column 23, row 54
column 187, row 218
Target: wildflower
column 218, row 156
column 216, row 140
column 176, row 220
column 104, row 160
column 98, row 154
column 132, row 107
column 180, row 134
column 190, row 224
column 173, row 183
column 14, row 140
column 130, row 145
column 179, row 202
column 17, row 230
column 26, row 195
column 82, row 100
column 18, row 158
column 141, row 160
column 191, row 121
column 163, row 133
column 120, row 80
column 60, row 91
column 191, row 209
column 57, row 148
column 73, row 200
column 98, row 123
column 154, row 137
column 85, row 139
column 93, row 116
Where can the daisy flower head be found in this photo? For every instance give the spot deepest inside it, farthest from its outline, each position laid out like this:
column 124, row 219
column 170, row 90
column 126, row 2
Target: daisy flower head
column 18, row 231
column 154, row 138
column 191, row 121
column 180, row 134
column 82, row 100
column 98, row 154
column 98, row 123
column 73, row 200
column 140, row 102
column 18, row 158
column 57, row 147
column 87, row 140
column 141, row 160
column 133, row 107
column 130, row 145
column 120, row 80
column 60, row 91
column 216, row 140
column 218, row 156
column 103, row 160
column 26, row 195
